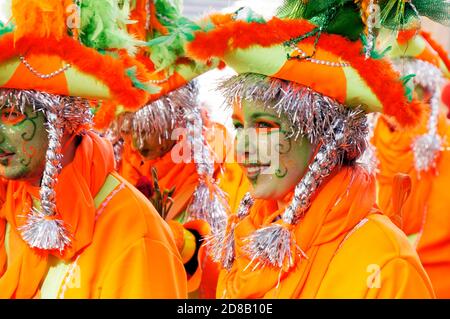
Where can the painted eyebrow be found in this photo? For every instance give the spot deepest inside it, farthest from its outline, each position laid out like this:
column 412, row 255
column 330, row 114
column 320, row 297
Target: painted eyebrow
column 258, row 114
column 235, row 117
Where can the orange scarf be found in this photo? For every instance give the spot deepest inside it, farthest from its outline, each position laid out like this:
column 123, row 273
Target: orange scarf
column 77, row 185
column 343, row 201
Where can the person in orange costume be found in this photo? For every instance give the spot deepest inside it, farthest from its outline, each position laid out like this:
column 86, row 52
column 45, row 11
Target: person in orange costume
column 422, row 153
column 70, row 227
column 310, row 228
column 147, row 150
column 187, row 164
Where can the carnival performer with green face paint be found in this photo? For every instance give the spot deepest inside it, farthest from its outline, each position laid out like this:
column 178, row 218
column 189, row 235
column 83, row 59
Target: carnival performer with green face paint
column 23, row 142
column 280, row 161
column 311, row 228
column 70, row 226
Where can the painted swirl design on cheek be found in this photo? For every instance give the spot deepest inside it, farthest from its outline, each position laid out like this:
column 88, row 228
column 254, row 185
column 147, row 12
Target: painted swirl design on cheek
column 29, row 153
column 283, row 148
column 33, row 123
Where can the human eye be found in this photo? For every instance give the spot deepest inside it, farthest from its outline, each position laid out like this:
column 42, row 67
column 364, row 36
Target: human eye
column 265, row 124
column 238, row 125
column 11, row 116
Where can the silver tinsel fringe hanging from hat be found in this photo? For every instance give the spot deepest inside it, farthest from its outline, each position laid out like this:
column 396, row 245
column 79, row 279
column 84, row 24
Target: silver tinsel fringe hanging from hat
column 180, row 109
column 340, row 134
column 426, row 147
column 43, row 229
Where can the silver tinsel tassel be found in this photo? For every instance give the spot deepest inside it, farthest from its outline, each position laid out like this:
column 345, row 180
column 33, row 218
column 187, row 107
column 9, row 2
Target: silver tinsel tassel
column 209, row 201
column 426, row 147
column 221, row 245
column 42, row 230
column 369, row 158
column 275, row 246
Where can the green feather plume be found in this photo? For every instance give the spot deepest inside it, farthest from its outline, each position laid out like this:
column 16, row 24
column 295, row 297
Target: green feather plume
column 103, row 25
column 6, row 28
column 343, row 17
column 398, row 14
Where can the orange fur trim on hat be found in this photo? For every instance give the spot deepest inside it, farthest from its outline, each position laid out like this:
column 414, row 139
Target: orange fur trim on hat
column 241, row 35
column 443, row 54
column 105, row 115
column 378, row 74
column 105, row 68
column 40, row 18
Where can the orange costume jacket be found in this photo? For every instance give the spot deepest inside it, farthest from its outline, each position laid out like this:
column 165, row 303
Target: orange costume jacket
column 425, row 214
column 183, row 176
column 121, row 248
column 352, row 250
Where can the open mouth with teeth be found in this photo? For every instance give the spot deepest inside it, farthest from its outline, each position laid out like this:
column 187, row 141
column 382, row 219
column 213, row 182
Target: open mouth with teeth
column 254, row 170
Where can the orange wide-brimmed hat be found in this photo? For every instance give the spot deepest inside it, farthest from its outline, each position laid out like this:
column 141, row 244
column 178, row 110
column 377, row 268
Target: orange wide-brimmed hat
column 43, row 53
column 330, row 64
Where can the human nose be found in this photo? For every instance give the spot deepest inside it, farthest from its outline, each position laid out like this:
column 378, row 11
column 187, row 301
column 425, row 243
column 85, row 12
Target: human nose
column 246, row 141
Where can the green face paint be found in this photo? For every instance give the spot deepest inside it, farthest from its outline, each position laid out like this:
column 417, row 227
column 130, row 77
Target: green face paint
column 23, row 144
column 273, row 163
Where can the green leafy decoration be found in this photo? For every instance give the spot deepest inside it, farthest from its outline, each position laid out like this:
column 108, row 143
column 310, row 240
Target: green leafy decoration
column 341, row 17
column 161, row 198
column 409, row 85
column 104, row 25
column 375, row 54
column 165, row 50
column 6, row 28
column 398, row 14
column 132, row 74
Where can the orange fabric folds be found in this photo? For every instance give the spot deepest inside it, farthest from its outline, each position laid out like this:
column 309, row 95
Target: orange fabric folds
column 426, row 212
column 120, row 250
column 347, row 242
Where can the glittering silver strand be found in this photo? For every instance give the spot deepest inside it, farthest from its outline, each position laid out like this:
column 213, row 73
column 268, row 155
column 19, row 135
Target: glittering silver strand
column 371, row 19
column 40, row 231
column 63, row 69
column 209, row 201
column 74, row 112
column 221, row 245
column 180, row 109
column 426, row 147
column 148, row 14
column 369, row 158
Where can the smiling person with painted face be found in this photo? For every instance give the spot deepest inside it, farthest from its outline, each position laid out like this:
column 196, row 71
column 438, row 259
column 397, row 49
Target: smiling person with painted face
column 70, row 227
column 310, row 228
